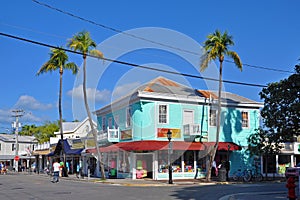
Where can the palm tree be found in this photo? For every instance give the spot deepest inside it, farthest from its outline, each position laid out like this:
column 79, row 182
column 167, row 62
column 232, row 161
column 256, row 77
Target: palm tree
column 58, row 61
column 83, row 43
column 216, row 47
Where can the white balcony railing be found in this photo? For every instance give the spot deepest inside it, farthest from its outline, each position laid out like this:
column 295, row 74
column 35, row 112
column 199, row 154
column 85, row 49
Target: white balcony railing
column 191, row 129
column 113, row 134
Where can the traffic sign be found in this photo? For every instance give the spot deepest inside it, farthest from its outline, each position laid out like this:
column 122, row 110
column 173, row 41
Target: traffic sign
column 17, row 158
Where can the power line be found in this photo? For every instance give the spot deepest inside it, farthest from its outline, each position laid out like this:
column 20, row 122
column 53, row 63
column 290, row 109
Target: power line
column 113, row 29
column 145, row 39
column 266, row 68
column 130, row 64
column 59, row 36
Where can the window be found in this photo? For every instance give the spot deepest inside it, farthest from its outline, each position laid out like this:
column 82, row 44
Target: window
column 103, row 123
column 163, row 114
column 110, row 122
column 128, row 117
column 13, row 147
column 0, row 146
column 212, row 117
column 116, row 121
column 245, row 120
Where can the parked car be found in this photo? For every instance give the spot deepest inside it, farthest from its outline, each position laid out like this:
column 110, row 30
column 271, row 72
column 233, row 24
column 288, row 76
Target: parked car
column 292, row 171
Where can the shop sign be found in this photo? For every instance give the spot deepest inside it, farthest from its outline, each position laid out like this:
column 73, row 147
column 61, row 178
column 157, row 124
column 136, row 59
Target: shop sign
column 162, row 132
column 126, row 135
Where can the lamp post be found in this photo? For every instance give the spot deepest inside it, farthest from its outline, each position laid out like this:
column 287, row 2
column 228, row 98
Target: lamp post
column 227, row 163
column 169, row 135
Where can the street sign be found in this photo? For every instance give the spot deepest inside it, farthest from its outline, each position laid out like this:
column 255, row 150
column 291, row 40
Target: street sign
column 17, row 158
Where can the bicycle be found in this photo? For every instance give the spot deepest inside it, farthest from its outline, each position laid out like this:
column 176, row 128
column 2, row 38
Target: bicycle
column 244, row 175
column 256, row 175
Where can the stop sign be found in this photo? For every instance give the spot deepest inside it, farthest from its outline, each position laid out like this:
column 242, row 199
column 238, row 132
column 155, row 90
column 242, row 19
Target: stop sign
column 17, row 158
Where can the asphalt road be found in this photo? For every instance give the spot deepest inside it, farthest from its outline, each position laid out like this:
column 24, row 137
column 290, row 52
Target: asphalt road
column 39, row 187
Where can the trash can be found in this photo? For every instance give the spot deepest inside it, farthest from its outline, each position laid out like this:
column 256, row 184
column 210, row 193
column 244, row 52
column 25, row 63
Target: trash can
column 222, row 174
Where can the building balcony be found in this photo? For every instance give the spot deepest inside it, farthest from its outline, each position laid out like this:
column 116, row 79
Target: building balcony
column 110, row 135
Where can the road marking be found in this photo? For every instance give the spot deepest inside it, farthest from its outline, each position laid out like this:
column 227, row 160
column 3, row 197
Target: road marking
column 232, row 196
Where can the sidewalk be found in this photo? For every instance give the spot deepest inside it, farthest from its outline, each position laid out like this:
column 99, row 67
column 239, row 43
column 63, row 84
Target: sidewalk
column 147, row 181
column 143, row 182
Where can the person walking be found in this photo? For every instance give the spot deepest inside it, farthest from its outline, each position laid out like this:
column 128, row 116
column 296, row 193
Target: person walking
column 56, row 169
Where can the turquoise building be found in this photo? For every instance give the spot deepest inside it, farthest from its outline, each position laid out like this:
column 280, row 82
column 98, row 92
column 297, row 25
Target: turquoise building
column 133, row 131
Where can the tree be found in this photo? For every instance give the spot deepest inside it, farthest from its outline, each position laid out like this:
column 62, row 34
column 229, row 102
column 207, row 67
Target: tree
column 281, row 111
column 28, row 130
column 44, row 132
column 59, row 61
column 263, row 143
column 216, row 47
column 83, row 43
column 41, row 133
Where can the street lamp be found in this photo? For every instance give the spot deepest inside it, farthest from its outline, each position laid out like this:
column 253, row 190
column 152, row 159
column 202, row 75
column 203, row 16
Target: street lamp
column 227, row 162
column 169, row 135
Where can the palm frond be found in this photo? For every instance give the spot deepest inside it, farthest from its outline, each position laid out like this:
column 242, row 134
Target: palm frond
column 97, row 53
column 236, row 59
column 204, row 60
column 47, row 67
column 73, row 67
column 58, row 58
column 217, row 45
column 83, row 43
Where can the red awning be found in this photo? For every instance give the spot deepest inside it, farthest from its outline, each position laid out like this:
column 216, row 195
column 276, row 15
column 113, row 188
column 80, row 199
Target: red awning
column 152, row 145
column 225, row 146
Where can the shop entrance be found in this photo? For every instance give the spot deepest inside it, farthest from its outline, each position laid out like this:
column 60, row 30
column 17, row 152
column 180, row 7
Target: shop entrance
column 144, row 165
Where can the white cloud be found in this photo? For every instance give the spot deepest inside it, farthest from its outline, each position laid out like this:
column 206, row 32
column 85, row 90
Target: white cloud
column 92, row 94
column 29, row 117
column 5, row 116
column 121, row 90
column 26, row 102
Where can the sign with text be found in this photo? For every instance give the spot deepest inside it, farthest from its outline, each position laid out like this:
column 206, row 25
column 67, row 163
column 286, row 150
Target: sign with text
column 162, row 132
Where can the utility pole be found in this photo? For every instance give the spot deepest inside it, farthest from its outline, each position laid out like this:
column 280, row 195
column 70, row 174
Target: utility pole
column 17, row 114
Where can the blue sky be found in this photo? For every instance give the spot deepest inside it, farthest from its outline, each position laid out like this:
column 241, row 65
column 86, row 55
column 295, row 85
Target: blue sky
column 266, row 34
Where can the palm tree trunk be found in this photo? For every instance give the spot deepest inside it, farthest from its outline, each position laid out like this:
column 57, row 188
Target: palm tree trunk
column 212, row 154
column 91, row 121
column 60, row 121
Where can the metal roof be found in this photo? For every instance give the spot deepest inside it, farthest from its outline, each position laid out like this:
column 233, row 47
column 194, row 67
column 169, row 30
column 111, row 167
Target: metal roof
column 164, row 88
column 21, row 138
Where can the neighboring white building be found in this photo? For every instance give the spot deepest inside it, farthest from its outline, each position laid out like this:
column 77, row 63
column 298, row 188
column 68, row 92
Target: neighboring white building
column 8, row 150
column 77, row 137
column 73, row 130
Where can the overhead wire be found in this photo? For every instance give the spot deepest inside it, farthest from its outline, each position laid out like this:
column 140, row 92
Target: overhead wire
column 145, row 39
column 129, row 64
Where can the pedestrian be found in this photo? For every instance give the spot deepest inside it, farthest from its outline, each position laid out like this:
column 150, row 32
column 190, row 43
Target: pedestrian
column 56, row 169
column 0, row 168
column 214, row 170
column 61, row 169
column 227, row 167
column 77, row 170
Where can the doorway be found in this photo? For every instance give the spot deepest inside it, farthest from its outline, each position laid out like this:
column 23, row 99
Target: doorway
column 144, row 165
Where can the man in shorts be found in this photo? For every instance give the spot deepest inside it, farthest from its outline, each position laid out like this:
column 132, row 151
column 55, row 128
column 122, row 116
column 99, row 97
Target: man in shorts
column 56, row 168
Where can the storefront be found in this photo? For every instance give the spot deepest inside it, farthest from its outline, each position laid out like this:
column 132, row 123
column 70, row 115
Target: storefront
column 149, row 159
column 73, row 156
